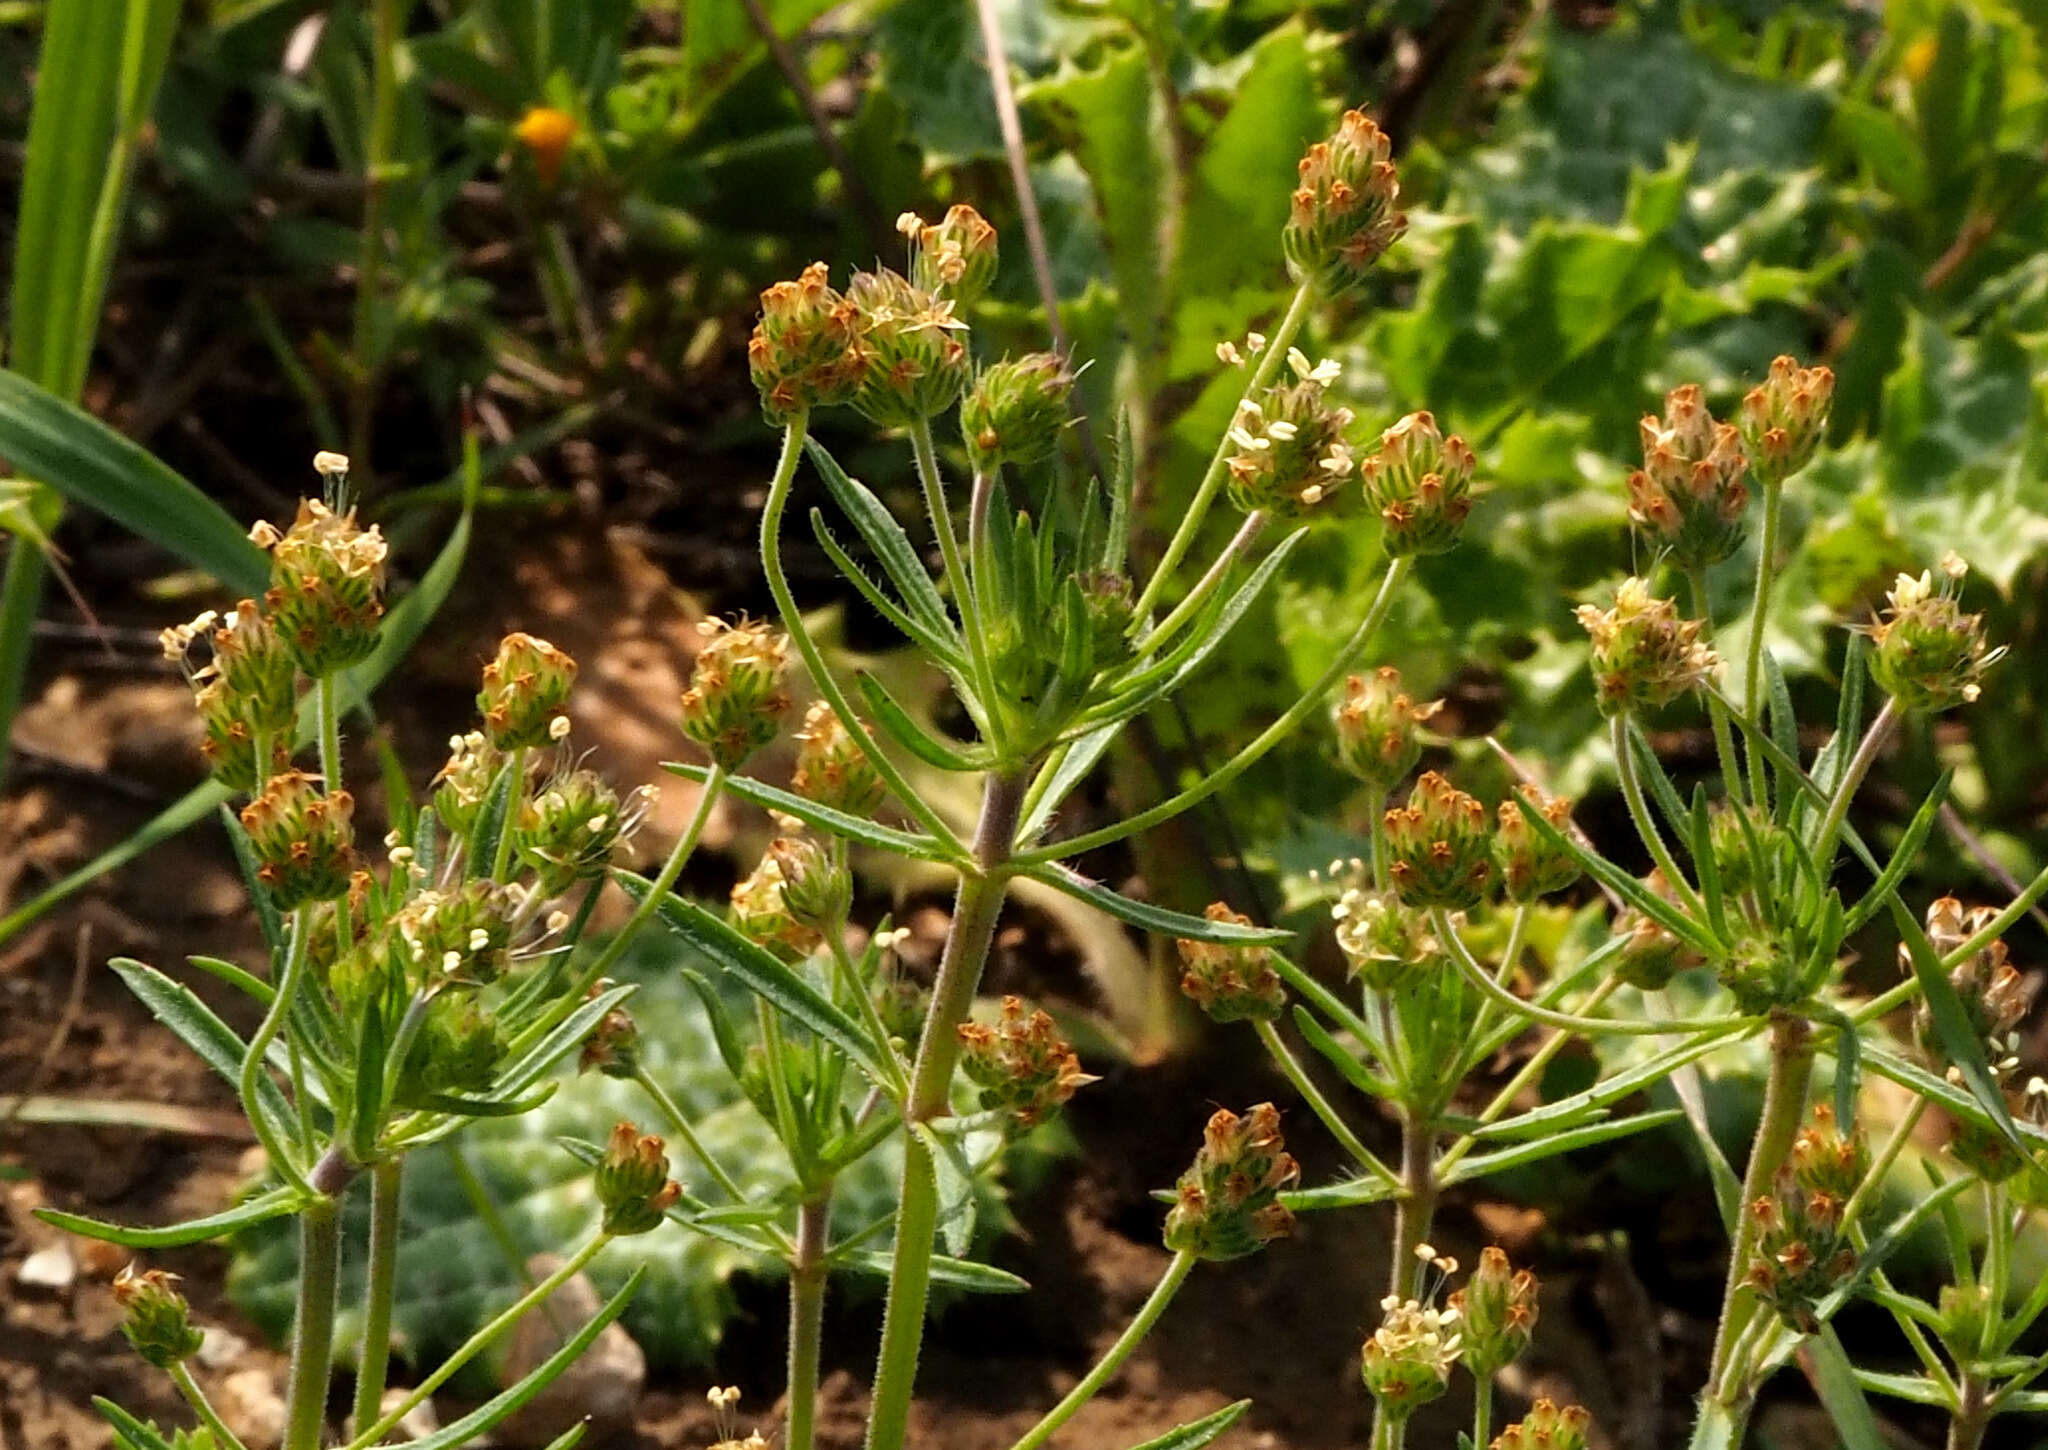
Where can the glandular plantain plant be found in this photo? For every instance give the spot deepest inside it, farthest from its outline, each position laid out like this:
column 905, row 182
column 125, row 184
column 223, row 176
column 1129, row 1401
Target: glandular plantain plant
column 400, row 1007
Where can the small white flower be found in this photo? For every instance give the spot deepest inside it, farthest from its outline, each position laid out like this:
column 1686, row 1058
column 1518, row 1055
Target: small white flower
column 1282, row 430
column 558, row 728
column 1226, row 352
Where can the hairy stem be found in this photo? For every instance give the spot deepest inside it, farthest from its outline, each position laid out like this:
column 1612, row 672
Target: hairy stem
column 386, row 1180
column 1415, row 1209
column 223, row 1437
column 976, row 908
column 1873, row 741
column 1645, row 821
column 313, row 1327
column 1785, row 1089
column 806, row 1316
column 255, row 1063
column 1724, row 734
column 385, row 27
column 1113, row 1358
column 1759, row 610
column 1277, row 1049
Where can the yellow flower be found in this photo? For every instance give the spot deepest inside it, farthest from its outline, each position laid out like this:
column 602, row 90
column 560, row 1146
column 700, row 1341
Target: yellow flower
column 546, row 133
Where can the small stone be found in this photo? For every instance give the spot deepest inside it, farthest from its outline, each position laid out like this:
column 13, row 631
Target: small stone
column 250, row 1404
column 602, row 1387
column 51, row 1267
column 222, row 1349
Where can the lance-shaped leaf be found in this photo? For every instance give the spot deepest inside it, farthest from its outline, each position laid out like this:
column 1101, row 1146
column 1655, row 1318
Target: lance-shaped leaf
column 129, row 1432
column 823, row 818
column 275, row 1204
column 1903, row 859
column 1151, row 918
column 899, row 725
column 1886, row 1063
column 954, row 1273
column 892, row 547
column 179, row 1008
column 941, row 645
column 1621, row 883
column 1349, row 1193
column 1834, row 1379
column 1479, row 1165
column 1952, row 1030
column 1197, row 1433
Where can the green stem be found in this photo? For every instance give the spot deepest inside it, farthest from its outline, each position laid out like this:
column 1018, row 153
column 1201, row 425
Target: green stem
column 1759, row 611
column 330, row 733
column 957, row 580
column 1724, row 734
column 807, row 1272
column 1310, row 700
column 313, row 1328
column 1645, row 822
column 1263, row 373
column 1482, row 1410
column 1791, row 1072
column 807, row 649
column 1859, row 765
column 386, row 1179
column 509, row 827
column 682, row 1129
column 254, row 1064
column 870, row 1015
column 1320, row 1105
column 21, row 598
column 664, row 881
column 1530, row 1071
column 1240, row 542
column 1112, row 1360
column 224, row 1438
column 377, row 146
column 1415, row 1209
column 1972, row 1414
column 976, row 908
column 1905, row 991
column 477, row 1343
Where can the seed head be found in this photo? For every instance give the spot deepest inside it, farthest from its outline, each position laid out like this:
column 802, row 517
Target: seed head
column 737, row 695
column 1803, row 1249
column 633, row 1183
column 458, row 937
column 456, row 1051
column 833, row 766
column 1439, row 846
column 1644, row 655
column 1387, row 943
column 1022, row 1065
column 464, row 782
column 954, row 259
column 917, row 362
column 1288, row 453
column 1228, row 1204
column 1346, row 208
column 1782, row 419
column 159, row 1322
column 1496, row 1314
column 326, row 588
column 1231, row 983
column 613, row 1047
column 806, row 351
column 1546, row 1427
column 1420, row 485
column 568, row 831
column 1689, row 494
column 1651, row 954
column 1379, row 729
column 525, row 691
column 1408, row 1360
column 1994, row 994
column 816, row 887
column 761, row 909
column 302, row 838
column 1016, row 410
column 1929, row 654
column 1530, row 865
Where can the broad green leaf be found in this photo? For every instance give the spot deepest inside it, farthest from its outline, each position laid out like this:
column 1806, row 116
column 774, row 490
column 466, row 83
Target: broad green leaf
column 274, row 1204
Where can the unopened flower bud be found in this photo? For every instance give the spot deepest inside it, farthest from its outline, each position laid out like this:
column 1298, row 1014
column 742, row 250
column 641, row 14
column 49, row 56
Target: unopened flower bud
column 1022, row 1065
column 525, row 690
column 633, row 1185
column 1531, row 865
column 760, row 909
column 1288, row 455
column 1345, row 211
column 1379, row 729
column 917, row 363
column 833, row 767
column 464, row 782
column 817, row 889
column 737, row 695
column 546, row 134
column 568, row 831
column 1496, row 1314
column 1439, row 846
column 1228, row 1204
column 460, row 936
column 1015, row 411
column 302, row 838
column 1546, row 1427
column 613, row 1047
column 1689, row 494
column 1929, row 655
column 1644, row 655
column 1420, row 484
column 1386, row 943
column 1827, row 1160
column 457, row 1050
column 954, row 258
column 326, row 588
column 1802, row 1241
column 1782, row 420
column 1231, row 983
column 159, row 1322
column 1652, row 954
column 1408, row 1360
column 229, row 742
column 251, row 662
column 806, row 351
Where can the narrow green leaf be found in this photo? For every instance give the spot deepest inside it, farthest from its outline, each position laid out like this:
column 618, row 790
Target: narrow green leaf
column 129, row 1432
column 1339, row 1056
column 1958, row 1039
column 495, row 1411
column 1705, row 867
column 763, row 974
column 1784, row 732
column 1197, row 1433
column 953, row 1272
column 566, row 1037
column 493, row 819
column 1946, row 1095
column 893, row 549
column 1479, row 1165
column 905, row 731
column 956, row 1188
column 1918, row 1389
column 824, row 818
column 1620, row 882
column 1348, row 1193
column 242, row 981
column 217, row 1044
column 1904, row 858
column 729, row 1049
column 1834, row 1380
column 267, row 915
column 1078, row 758
column 275, row 1204
column 1152, row 918
column 1570, row 1111
column 941, row 645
